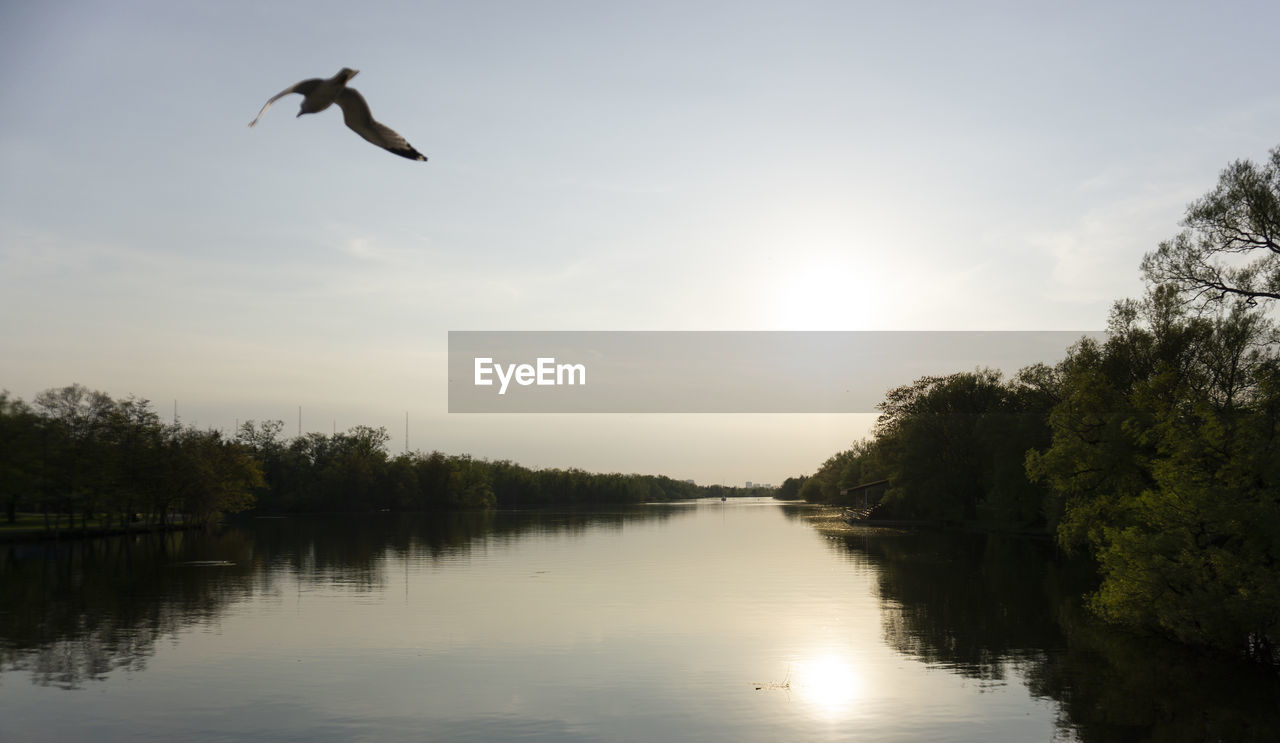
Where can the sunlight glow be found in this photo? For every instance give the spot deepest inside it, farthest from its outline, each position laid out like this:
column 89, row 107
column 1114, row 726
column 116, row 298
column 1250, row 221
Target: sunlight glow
column 828, row 682
column 827, row 294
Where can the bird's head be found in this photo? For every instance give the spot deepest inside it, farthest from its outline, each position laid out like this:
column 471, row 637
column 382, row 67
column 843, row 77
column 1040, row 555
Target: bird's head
column 346, row 73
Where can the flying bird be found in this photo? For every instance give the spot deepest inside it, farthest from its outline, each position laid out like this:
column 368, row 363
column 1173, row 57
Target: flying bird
column 317, row 95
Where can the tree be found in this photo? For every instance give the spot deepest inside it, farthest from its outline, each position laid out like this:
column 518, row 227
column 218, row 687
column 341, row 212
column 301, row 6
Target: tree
column 19, row 454
column 791, row 486
column 210, row 476
column 842, row 470
column 266, row 439
column 1231, row 244
column 469, row 485
column 357, row 461
column 1196, row 553
column 955, row 446
column 135, row 437
column 1165, row 457
column 76, row 455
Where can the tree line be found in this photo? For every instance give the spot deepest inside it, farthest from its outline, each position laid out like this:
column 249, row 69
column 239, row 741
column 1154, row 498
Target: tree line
column 83, row 460
column 1154, row 452
column 75, row 452
column 352, row 471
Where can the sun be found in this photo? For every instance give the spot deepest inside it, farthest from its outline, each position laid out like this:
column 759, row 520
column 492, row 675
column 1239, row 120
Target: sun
column 825, row 296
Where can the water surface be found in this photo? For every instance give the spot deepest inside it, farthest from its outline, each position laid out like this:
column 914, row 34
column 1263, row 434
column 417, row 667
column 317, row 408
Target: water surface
column 735, row 621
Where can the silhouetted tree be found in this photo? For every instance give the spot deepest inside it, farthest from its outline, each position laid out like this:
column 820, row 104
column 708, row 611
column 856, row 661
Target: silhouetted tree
column 1231, row 244
column 20, row 469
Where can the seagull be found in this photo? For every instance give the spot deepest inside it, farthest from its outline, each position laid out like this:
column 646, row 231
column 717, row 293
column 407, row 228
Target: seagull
column 317, row 95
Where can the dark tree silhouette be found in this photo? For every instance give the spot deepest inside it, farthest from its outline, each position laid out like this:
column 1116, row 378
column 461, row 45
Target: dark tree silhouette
column 1231, row 244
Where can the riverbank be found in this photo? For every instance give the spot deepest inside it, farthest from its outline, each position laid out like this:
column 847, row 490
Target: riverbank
column 31, row 528
column 981, row 527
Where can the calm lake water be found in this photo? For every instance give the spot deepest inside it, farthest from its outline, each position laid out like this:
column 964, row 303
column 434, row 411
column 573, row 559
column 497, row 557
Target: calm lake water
column 739, row 621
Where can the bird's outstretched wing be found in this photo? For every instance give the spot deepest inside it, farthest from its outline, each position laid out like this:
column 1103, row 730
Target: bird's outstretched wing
column 355, row 112
column 305, row 87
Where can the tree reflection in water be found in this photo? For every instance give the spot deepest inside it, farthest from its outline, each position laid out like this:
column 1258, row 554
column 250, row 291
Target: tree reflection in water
column 1002, row 611
column 998, row 608
column 76, row 611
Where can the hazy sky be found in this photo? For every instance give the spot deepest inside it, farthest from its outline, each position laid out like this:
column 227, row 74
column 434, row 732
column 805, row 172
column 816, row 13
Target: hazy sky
column 593, row 166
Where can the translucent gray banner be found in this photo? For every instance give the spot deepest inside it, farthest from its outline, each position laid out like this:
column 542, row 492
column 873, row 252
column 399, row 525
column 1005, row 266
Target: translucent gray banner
column 720, row 371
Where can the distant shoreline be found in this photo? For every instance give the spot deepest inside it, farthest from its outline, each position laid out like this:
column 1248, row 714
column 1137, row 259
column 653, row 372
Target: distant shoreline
column 39, row 534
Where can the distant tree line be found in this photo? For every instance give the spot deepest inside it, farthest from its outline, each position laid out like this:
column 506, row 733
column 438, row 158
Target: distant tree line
column 352, row 471
column 1155, row 452
column 82, row 460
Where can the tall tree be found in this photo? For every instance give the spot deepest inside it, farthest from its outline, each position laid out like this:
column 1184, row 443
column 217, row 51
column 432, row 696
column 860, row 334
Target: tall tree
column 956, row 444
column 1166, row 459
column 1231, row 244
column 76, row 454
column 19, row 454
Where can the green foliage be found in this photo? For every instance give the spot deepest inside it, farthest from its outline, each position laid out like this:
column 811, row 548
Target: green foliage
column 953, row 448
column 351, row 471
column 854, row 466
column 947, row 436
column 79, row 454
column 791, row 487
column 78, row 457
column 1156, row 452
column 210, row 476
column 1165, row 458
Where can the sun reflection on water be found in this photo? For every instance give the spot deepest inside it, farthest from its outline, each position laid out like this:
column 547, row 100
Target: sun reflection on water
column 828, row 682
